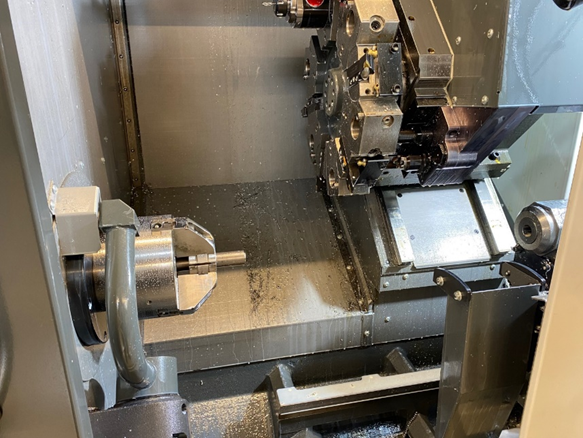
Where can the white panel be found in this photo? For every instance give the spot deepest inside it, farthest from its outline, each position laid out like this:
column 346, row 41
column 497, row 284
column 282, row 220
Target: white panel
column 555, row 396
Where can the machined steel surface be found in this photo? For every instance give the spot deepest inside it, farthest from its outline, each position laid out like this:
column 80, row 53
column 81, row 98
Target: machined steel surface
column 400, row 239
column 384, row 103
column 236, row 415
column 430, row 52
column 303, row 13
column 441, row 227
column 122, row 308
column 176, row 266
column 475, row 32
column 293, row 400
column 155, row 270
column 538, row 227
column 138, row 377
column 491, row 217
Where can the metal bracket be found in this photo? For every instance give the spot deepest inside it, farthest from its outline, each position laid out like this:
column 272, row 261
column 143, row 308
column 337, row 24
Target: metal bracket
column 397, row 362
column 367, row 329
column 115, row 213
column 314, row 103
column 360, row 70
column 390, row 69
column 451, row 284
column 76, row 214
column 486, row 345
column 542, row 297
column 293, row 408
column 521, row 275
column 419, row 427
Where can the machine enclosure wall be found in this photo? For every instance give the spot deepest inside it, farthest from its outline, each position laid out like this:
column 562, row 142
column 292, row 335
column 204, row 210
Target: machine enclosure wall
column 67, row 60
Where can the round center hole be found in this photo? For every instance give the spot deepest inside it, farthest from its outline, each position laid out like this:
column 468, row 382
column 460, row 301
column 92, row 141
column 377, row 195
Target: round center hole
column 527, row 231
column 376, row 23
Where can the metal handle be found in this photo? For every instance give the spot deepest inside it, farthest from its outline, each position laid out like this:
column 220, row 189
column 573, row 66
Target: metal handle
column 122, row 308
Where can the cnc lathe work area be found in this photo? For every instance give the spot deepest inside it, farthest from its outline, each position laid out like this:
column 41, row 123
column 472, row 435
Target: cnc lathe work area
column 291, row 218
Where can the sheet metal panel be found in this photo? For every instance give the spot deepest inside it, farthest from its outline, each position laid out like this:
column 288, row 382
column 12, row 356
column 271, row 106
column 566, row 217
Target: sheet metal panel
column 67, row 60
column 219, row 92
column 543, row 63
column 451, row 237
column 543, row 162
column 476, row 32
column 41, row 392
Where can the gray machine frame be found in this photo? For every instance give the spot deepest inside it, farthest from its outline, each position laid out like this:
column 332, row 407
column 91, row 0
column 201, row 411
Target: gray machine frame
column 35, row 321
column 45, row 328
